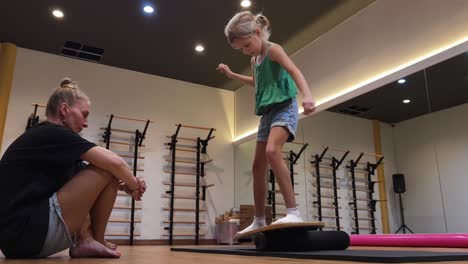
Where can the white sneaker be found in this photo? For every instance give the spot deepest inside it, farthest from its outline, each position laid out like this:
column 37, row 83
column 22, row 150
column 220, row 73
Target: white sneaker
column 290, row 218
column 253, row 226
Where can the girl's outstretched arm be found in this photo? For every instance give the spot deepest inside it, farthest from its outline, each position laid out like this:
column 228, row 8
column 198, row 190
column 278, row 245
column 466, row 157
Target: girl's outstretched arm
column 247, row 80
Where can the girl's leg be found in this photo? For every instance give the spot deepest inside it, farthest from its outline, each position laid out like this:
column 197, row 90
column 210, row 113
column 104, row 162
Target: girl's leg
column 259, row 168
column 92, row 191
column 259, row 187
column 278, row 136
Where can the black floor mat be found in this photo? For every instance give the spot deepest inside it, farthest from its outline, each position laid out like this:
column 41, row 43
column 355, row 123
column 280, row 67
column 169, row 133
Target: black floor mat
column 388, row 256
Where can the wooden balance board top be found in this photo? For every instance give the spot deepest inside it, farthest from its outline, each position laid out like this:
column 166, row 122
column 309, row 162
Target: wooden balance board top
column 305, row 225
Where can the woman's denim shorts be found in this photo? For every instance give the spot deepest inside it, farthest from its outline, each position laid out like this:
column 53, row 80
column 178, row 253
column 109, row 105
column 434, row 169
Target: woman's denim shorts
column 58, row 238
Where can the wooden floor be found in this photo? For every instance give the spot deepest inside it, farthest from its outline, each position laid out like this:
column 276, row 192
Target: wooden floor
column 163, row 255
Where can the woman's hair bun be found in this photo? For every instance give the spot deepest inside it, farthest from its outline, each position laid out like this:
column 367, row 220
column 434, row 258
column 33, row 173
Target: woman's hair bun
column 68, row 83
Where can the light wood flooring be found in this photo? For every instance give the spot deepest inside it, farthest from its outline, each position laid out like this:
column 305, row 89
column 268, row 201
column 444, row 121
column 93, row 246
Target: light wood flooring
column 163, row 255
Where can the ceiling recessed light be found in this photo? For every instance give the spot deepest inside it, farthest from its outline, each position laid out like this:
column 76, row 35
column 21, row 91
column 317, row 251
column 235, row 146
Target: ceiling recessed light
column 406, row 101
column 57, row 13
column 401, row 81
column 199, row 48
column 246, row 3
column 148, row 9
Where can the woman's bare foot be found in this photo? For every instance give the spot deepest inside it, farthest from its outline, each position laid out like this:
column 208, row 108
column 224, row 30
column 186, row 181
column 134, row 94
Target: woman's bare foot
column 110, row 245
column 90, row 248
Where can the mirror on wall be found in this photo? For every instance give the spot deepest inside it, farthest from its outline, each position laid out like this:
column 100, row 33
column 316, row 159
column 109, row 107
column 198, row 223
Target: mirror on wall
column 419, row 122
column 425, row 143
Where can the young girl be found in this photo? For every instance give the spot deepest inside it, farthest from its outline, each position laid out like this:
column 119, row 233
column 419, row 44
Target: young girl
column 275, row 78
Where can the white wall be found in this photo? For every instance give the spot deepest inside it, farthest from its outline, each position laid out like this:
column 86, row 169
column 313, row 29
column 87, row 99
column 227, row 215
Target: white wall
column 431, row 152
column 370, row 46
column 133, row 94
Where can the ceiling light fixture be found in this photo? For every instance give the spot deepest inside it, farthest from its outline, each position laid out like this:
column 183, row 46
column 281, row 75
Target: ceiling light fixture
column 406, row 101
column 57, row 13
column 148, row 9
column 246, row 3
column 199, row 48
column 401, row 81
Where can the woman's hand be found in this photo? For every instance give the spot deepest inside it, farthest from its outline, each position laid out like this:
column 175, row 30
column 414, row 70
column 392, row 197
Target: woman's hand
column 224, row 69
column 138, row 193
column 309, row 105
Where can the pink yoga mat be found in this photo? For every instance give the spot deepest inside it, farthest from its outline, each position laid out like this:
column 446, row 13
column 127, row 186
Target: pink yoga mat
column 411, row 240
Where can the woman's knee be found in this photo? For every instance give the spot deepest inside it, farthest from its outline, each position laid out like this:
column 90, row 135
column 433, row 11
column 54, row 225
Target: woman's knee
column 106, row 175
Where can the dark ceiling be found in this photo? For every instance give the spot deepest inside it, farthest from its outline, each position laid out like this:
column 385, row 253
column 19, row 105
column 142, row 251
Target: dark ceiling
column 162, row 43
column 435, row 88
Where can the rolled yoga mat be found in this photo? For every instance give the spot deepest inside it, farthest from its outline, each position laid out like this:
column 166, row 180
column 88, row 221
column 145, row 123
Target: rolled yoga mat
column 289, row 240
column 411, row 240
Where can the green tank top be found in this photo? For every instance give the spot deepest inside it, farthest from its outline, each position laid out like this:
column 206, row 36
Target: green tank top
column 273, row 85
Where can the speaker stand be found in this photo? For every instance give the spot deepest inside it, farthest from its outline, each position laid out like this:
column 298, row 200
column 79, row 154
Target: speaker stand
column 403, row 226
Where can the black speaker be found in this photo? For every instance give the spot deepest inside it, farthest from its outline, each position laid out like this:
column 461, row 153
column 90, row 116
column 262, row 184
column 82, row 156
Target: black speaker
column 399, row 185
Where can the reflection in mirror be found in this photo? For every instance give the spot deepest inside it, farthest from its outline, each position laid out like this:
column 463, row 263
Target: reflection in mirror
column 418, row 121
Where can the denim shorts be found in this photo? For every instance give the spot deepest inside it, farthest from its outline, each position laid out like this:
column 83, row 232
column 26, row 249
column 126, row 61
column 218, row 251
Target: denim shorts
column 58, row 238
column 283, row 116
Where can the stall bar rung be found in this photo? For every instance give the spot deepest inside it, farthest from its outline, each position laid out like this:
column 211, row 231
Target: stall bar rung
column 328, row 216
column 363, row 209
column 123, row 221
column 39, row 105
column 130, row 156
column 182, row 173
column 364, row 180
column 182, row 222
column 188, row 139
column 363, row 218
column 190, row 161
column 281, row 203
column 121, row 143
column 183, row 209
column 121, row 234
column 183, row 161
column 188, row 184
column 127, row 207
column 182, row 235
column 326, row 196
column 331, row 227
column 276, row 184
column 325, row 177
column 326, row 186
column 181, row 197
column 119, row 130
column 357, row 171
column 131, row 118
column 196, row 127
column 279, row 191
column 326, row 206
column 361, row 199
column 181, row 146
column 183, row 149
column 360, row 190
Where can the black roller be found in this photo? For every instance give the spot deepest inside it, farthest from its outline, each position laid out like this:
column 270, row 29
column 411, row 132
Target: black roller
column 290, row 240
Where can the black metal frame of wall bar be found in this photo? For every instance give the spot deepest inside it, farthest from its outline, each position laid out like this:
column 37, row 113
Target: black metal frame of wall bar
column 138, row 141
column 200, row 172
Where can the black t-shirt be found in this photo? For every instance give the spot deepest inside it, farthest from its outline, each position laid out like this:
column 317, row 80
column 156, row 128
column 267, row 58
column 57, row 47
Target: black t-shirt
column 34, row 166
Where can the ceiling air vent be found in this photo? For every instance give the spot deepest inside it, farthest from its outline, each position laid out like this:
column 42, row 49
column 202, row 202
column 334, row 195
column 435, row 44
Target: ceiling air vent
column 81, row 51
column 354, row 110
